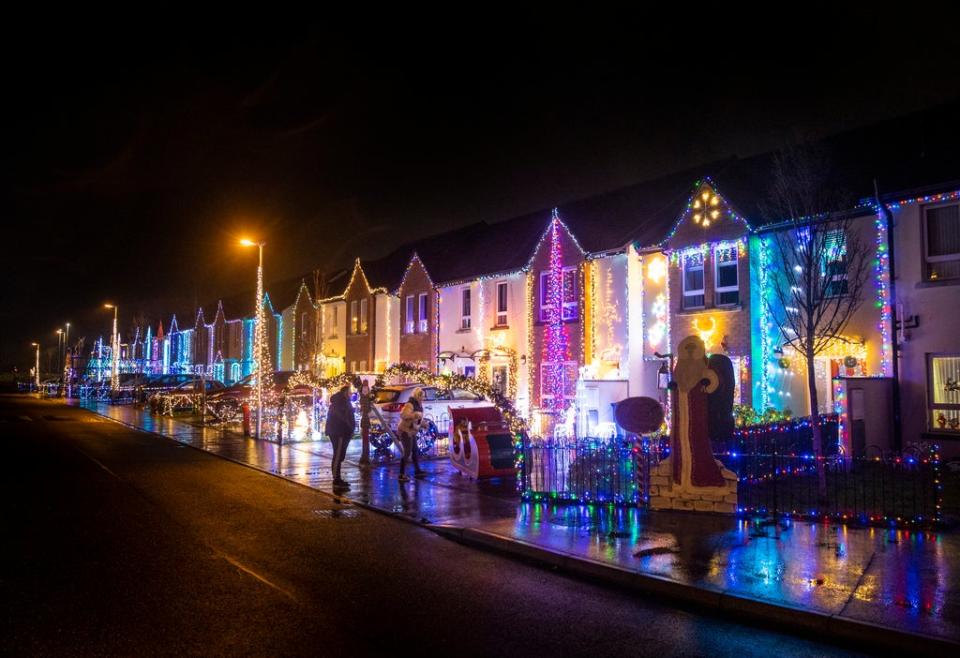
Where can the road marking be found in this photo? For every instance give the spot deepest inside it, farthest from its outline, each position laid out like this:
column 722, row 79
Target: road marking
column 258, row 577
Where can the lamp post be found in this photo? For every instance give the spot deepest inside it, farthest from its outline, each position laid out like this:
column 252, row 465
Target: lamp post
column 59, row 349
column 66, row 347
column 36, row 367
column 114, row 351
column 258, row 336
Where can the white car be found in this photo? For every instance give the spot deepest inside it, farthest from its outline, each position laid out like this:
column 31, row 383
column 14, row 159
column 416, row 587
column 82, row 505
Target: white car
column 436, row 405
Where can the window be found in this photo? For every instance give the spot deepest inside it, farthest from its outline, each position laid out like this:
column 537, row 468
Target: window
column 333, row 325
column 943, row 394
column 354, row 318
column 410, row 322
column 569, row 294
column 727, row 284
column 363, row 315
column 465, row 309
column 569, row 374
column 693, row 280
column 941, row 242
column 502, row 304
column 303, row 326
column 424, row 321
column 835, row 265
column 500, row 380
column 363, row 366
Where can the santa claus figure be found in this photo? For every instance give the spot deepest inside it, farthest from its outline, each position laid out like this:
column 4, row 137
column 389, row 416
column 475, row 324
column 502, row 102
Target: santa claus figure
column 694, row 467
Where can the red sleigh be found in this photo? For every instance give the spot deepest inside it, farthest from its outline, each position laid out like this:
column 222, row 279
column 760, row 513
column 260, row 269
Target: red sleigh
column 481, row 445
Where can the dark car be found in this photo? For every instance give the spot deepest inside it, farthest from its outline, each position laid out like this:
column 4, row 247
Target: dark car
column 158, row 383
column 225, row 405
column 183, row 397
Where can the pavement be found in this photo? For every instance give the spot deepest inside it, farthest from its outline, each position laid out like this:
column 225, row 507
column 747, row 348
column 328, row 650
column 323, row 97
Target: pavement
column 883, row 588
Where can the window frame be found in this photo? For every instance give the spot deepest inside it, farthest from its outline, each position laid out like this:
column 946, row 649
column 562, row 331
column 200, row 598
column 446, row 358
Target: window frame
column 925, row 233
column 933, row 406
column 702, row 291
column 502, row 314
column 410, row 323
column 364, row 316
column 719, row 290
column 572, row 304
column 565, row 365
column 354, row 317
column 830, row 277
column 466, row 308
column 423, row 313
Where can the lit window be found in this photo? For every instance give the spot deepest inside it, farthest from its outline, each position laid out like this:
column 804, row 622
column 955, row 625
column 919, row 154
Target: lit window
column 941, row 229
column 943, row 393
column 502, row 304
column 354, row 318
column 727, row 284
column 569, row 294
column 410, row 322
column 835, row 264
column 465, row 308
column 693, row 280
column 424, row 321
column 363, row 316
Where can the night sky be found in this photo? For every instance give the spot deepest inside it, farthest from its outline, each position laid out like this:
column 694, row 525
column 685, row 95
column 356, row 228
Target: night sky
column 137, row 153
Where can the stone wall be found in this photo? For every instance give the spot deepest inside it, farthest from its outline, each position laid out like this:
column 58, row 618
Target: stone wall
column 665, row 495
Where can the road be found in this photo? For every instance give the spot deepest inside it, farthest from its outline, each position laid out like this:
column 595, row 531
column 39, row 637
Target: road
column 123, row 543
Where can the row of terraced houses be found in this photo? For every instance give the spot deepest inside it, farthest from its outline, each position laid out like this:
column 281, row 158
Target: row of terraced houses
column 641, row 270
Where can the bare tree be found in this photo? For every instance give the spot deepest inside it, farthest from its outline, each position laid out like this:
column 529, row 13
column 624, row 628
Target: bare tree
column 818, row 265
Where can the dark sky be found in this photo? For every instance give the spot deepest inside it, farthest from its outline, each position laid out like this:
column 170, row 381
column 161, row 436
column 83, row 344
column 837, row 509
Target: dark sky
column 136, row 153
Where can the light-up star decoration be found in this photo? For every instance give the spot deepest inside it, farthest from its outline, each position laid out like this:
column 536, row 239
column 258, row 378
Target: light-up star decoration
column 706, row 208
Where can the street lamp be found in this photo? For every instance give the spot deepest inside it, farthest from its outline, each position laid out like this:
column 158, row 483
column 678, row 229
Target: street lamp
column 114, row 351
column 258, row 333
column 36, row 368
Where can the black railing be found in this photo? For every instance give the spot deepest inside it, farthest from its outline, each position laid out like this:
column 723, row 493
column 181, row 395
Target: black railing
column 887, row 490
column 587, row 470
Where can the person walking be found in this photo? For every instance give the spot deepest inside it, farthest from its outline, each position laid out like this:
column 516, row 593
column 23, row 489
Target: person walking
column 339, row 427
column 411, row 417
column 366, row 400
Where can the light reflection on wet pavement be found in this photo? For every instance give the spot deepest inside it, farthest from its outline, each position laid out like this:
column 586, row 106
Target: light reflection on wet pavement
column 893, row 578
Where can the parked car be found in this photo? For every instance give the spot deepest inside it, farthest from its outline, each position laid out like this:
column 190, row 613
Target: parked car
column 225, row 405
column 183, row 397
column 157, row 383
column 436, row 407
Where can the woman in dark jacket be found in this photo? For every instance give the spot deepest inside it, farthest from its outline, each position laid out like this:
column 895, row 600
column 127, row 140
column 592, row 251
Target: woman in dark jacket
column 339, row 427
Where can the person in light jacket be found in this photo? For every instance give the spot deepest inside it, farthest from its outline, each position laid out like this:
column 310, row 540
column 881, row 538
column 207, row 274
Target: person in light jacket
column 411, row 417
column 339, row 427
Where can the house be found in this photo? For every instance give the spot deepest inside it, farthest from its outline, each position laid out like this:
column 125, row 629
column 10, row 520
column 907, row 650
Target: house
column 371, row 341
column 332, row 329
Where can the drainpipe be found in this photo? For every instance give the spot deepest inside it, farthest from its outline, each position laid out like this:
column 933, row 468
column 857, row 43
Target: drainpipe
column 894, row 342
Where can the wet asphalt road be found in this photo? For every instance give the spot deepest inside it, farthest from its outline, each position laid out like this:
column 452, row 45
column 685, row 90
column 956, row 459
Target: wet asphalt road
column 117, row 542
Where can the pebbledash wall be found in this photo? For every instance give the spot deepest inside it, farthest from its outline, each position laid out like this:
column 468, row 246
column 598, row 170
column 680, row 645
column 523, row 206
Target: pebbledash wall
column 927, row 300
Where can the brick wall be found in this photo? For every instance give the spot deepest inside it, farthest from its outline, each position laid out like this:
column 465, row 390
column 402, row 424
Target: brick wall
column 418, row 347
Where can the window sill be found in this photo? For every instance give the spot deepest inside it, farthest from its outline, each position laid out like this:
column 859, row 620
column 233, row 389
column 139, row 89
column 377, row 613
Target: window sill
column 499, row 327
column 464, row 331
column 938, row 284
column 731, row 308
column 544, row 323
column 940, row 434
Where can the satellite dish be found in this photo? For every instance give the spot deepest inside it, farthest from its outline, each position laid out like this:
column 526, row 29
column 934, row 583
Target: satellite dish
column 639, row 415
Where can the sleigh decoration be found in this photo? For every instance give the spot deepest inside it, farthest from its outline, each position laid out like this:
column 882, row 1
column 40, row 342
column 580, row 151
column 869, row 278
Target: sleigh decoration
column 481, row 445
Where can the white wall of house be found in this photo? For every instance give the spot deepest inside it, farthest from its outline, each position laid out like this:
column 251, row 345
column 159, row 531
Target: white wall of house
column 287, row 338
column 611, row 358
column 934, row 306
column 386, row 347
column 333, row 332
column 489, row 329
